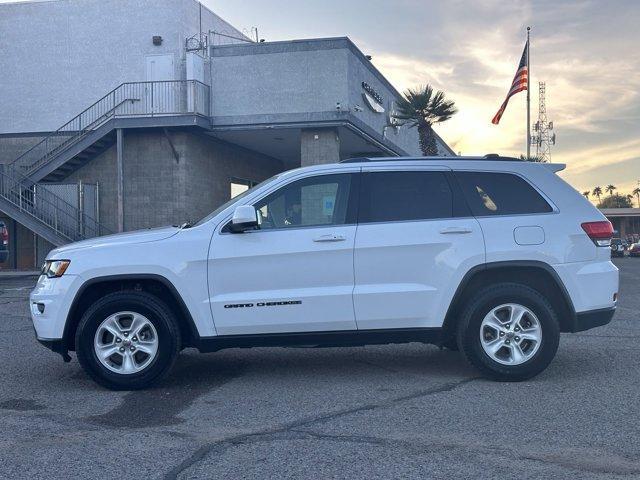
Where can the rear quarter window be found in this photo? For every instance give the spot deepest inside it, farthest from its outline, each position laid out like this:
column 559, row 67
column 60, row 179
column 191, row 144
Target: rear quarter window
column 489, row 193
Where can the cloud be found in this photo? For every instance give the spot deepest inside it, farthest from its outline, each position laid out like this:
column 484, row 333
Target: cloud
column 590, row 68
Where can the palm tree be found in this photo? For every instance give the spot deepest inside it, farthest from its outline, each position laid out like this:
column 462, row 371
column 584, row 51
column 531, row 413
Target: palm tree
column 597, row 192
column 610, row 188
column 636, row 192
column 423, row 108
column 586, row 194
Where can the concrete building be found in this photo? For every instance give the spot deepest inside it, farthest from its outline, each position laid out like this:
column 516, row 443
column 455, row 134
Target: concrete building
column 120, row 115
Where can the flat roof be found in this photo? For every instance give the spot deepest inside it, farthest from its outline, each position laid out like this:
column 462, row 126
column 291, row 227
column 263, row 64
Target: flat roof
column 620, row 212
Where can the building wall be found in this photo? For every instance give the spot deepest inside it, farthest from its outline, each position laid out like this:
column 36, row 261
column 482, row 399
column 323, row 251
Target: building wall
column 303, row 81
column 158, row 190
column 26, row 250
column 318, row 146
column 12, row 145
column 58, row 57
column 212, row 165
column 248, row 81
column 358, row 72
column 101, row 170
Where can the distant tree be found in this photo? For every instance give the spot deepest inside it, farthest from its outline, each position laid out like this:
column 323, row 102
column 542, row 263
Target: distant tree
column 636, row 192
column 586, row 194
column 532, row 158
column 597, row 191
column 615, row 201
column 422, row 108
column 610, row 189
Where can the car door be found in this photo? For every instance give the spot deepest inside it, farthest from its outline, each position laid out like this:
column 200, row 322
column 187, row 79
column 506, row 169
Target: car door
column 415, row 241
column 517, row 221
column 294, row 273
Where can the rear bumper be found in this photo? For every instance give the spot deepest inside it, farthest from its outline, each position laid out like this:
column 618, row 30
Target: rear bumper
column 591, row 285
column 592, row 318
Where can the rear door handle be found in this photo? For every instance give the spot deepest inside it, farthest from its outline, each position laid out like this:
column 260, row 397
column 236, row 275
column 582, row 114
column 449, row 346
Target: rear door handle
column 332, row 237
column 455, row 230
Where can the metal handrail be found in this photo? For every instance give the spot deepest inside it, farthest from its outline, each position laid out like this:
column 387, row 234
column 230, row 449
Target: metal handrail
column 71, row 140
column 64, row 219
column 129, row 99
column 166, row 97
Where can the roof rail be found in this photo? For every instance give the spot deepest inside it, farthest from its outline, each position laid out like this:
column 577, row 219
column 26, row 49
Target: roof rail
column 501, row 158
column 355, row 160
column 490, row 156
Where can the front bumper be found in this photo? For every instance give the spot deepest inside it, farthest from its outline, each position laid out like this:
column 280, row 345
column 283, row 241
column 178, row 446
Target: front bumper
column 592, row 318
column 54, row 296
column 57, row 346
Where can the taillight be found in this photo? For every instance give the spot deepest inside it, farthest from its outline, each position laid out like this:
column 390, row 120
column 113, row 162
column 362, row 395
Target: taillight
column 600, row 232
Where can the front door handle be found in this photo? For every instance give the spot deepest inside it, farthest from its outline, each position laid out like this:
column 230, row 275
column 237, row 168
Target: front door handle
column 332, row 237
column 455, row 230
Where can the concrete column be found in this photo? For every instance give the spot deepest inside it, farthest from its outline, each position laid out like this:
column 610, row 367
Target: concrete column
column 120, row 179
column 319, row 145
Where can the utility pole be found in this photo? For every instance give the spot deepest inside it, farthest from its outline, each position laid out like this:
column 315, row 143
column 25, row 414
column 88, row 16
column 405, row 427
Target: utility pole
column 528, row 96
column 543, row 138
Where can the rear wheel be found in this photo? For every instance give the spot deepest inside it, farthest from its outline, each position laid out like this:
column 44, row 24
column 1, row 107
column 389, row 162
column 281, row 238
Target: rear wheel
column 127, row 340
column 509, row 331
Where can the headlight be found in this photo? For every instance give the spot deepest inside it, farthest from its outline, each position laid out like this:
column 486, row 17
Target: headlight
column 55, row 268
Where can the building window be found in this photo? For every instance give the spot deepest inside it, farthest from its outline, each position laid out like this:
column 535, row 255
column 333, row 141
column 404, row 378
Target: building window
column 239, row 185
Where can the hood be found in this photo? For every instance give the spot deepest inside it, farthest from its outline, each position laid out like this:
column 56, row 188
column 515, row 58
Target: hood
column 139, row 236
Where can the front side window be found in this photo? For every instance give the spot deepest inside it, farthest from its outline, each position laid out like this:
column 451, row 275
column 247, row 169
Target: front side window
column 313, row 201
column 490, row 193
column 404, row 196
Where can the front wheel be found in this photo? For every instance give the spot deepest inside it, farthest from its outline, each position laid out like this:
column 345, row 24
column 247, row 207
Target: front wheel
column 509, row 331
column 127, row 340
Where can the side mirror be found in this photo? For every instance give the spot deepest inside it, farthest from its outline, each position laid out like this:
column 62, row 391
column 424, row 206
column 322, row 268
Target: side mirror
column 245, row 217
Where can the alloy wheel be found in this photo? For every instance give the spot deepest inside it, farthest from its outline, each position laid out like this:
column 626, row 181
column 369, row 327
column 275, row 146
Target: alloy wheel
column 510, row 334
column 126, row 342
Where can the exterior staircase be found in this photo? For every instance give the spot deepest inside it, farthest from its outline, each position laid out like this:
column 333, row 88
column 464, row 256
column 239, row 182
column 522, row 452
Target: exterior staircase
column 43, row 212
column 81, row 139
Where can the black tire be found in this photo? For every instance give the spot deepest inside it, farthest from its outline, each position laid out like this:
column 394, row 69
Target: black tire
column 156, row 312
column 451, row 343
column 483, row 302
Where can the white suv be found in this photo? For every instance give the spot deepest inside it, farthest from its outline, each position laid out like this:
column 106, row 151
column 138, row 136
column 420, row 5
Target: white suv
column 489, row 255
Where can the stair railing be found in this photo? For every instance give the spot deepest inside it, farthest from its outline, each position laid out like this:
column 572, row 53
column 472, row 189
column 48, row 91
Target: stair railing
column 66, row 220
column 130, row 99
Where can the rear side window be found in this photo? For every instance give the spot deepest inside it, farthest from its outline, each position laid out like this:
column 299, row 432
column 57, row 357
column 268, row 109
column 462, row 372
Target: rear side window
column 402, row 196
column 500, row 194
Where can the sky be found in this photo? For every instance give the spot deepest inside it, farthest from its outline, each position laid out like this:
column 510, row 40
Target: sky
column 585, row 51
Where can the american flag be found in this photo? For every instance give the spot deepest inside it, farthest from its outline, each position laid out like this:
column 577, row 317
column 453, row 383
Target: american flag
column 520, row 83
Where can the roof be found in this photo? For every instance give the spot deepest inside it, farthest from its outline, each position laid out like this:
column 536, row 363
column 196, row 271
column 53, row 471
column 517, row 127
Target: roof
column 620, row 212
column 491, row 157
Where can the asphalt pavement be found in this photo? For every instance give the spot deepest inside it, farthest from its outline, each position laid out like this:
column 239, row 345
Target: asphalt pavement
column 397, row 411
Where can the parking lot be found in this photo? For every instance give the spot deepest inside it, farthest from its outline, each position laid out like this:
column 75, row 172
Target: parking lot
column 375, row 412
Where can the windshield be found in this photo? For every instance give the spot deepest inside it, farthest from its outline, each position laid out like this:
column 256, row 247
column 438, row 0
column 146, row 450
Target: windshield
column 233, row 200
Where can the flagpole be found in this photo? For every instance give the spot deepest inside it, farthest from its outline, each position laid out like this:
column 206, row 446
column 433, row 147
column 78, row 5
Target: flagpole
column 528, row 97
